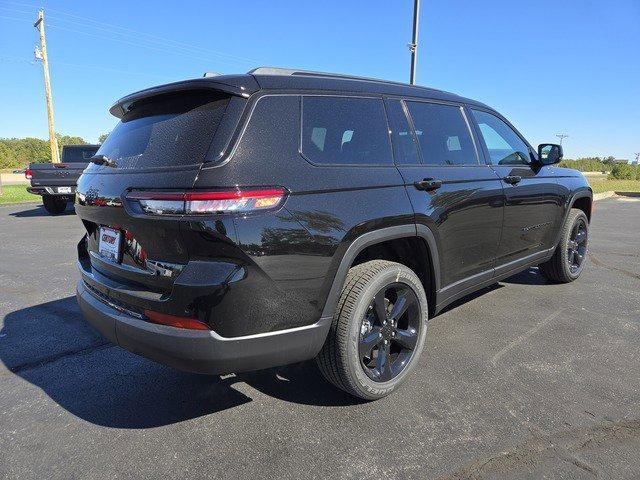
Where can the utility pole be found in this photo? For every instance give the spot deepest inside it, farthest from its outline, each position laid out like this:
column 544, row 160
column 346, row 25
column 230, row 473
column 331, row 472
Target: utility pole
column 413, row 46
column 561, row 136
column 53, row 141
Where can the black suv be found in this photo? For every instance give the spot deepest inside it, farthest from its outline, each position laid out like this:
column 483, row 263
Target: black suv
column 247, row 221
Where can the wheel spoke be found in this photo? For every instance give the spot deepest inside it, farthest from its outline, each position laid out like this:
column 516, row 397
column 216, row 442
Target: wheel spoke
column 406, row 338
column 380, row 306
column 403, row 302
column 384, row 349
column 574, row 231
column 383, row 363
column 570, row 256
column 369, row 341
column 581, row 237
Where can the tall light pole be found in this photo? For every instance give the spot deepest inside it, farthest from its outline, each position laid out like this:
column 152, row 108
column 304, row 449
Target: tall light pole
column 413, row 46
column 42, row 54
column 561, row 136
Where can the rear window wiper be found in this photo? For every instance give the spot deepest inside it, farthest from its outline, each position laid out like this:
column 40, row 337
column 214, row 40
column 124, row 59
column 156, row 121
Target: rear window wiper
column 103, row 160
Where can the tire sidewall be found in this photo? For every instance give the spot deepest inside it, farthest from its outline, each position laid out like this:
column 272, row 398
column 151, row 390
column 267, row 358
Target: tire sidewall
column 54, row 205
column 572, row 220
column 365, row 385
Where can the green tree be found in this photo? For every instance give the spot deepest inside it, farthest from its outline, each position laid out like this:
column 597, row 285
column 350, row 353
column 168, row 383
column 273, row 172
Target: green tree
column 102, row 138
column 624, row 171
column 20, row 152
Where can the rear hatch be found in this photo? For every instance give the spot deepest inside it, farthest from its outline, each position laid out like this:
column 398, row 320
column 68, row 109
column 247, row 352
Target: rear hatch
column 158, row 146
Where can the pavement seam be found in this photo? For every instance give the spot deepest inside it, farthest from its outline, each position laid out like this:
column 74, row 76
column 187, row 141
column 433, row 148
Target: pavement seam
column 60, row 356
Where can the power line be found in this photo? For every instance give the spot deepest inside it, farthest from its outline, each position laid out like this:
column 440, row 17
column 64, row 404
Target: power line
column 132, row 43
column 149, row 45
column 86, row 68
column 154, row 40
column 151, row 37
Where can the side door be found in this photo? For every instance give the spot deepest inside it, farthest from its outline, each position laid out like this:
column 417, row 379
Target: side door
column 452, row 192
column 533, row 201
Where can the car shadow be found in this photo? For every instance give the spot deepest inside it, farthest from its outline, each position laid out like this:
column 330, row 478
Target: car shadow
column 530, row 276
column 39, row 211
column 52, row 347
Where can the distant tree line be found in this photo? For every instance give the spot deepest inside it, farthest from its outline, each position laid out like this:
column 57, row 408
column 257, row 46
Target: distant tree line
column 20, row 152
column 620, row 171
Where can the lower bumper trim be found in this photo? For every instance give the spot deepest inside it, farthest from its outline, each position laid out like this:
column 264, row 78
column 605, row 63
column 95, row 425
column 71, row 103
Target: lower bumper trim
column 202, row 351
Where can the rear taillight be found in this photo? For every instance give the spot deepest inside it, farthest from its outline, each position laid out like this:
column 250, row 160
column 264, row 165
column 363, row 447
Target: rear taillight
column 208, row 202
column 175, row 321
column 28, row 173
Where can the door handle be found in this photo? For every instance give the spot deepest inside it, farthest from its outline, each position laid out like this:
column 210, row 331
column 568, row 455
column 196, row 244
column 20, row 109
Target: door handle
column 512, row 179
column 428, row 184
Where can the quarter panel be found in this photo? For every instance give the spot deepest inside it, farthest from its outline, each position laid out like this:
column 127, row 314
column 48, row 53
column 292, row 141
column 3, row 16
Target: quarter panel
column 292, row 255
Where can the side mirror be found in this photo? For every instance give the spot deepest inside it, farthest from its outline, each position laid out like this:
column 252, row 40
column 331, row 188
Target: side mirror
column 549, row 153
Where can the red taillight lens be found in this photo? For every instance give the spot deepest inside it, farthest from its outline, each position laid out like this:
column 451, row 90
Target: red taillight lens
column 202, row 203
column 175, row 321
column 28, row 173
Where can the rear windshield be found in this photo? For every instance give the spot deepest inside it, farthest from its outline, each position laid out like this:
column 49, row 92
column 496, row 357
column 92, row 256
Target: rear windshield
column 167, row 130
column 78, row 154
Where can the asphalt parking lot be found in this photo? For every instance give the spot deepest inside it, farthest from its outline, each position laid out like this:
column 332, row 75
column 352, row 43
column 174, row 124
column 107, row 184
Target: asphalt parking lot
column 524, row 380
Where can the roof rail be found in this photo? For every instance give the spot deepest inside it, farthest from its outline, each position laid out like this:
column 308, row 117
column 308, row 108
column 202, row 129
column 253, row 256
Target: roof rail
column 309, row 73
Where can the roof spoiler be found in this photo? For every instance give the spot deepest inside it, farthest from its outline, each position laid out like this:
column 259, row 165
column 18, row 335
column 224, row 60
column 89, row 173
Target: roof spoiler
column 241, row 86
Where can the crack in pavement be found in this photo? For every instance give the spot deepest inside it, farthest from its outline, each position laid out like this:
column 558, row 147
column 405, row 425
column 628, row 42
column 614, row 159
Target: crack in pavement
column 503, row 351
column 59, row 356
column 565, row 445
column 602, row 264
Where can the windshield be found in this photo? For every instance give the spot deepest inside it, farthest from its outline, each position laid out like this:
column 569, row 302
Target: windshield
column 167, row 130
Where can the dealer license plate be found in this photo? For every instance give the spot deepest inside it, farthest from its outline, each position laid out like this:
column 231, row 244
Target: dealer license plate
column 109, row 244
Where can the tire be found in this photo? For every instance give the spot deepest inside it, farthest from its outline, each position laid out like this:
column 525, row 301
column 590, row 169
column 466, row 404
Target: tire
column 568, row 260
column 54, row 205
column 356, row 326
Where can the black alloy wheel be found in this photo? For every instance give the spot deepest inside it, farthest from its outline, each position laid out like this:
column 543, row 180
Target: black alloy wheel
column 389, row 332
column 577, row 246
column 569, row 257
column 378, row 331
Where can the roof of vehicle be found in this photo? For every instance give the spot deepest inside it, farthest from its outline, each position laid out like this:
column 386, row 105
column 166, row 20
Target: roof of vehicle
column 270, row 78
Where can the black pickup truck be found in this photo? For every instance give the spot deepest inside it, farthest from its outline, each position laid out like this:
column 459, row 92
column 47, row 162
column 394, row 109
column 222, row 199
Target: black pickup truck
column 56, row 182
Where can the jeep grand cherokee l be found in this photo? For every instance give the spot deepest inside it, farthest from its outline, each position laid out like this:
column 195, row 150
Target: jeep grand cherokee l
column 248, row 221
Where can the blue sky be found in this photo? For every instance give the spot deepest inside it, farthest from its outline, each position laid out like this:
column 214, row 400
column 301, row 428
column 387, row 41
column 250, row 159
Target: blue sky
column 550, row 66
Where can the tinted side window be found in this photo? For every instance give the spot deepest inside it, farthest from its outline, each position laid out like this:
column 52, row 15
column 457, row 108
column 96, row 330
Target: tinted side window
column 504, row 145
column 345, row 130
column 405, row 148
column 443, row 134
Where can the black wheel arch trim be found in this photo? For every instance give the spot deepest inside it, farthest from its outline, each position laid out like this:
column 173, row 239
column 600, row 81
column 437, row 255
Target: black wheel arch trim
column 371, row 238
column 584, row 192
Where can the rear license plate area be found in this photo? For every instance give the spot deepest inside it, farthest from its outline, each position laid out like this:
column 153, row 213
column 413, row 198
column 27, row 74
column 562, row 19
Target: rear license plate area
column 110, row 244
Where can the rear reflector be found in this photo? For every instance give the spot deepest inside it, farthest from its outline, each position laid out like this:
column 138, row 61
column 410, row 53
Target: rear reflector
column 174, row 321
column 28, row 173
column 210, row 202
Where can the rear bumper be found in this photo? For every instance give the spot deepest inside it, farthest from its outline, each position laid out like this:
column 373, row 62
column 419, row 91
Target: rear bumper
column 201, row 351
column 52, row 191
